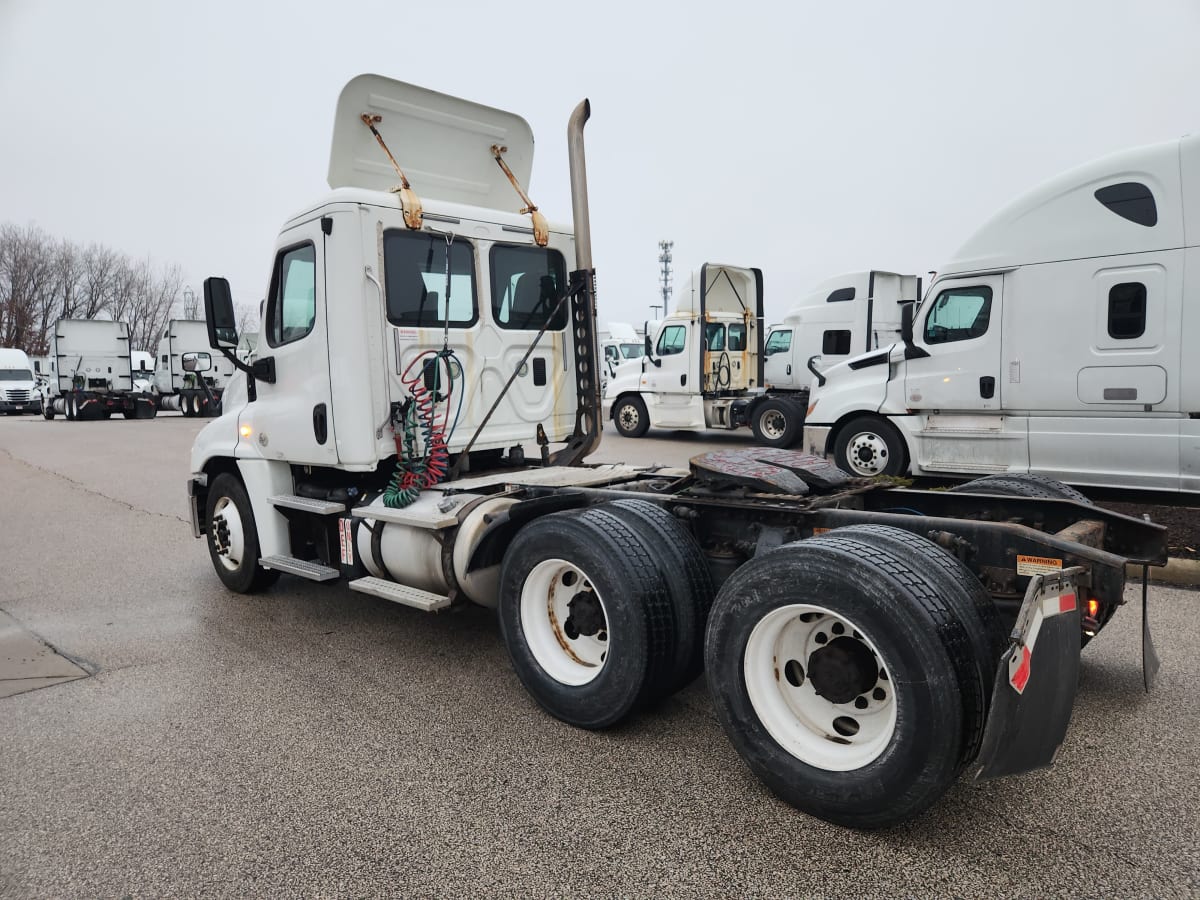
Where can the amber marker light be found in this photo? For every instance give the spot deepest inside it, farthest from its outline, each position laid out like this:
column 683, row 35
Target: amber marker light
column 1093, row 608
column 244, row 431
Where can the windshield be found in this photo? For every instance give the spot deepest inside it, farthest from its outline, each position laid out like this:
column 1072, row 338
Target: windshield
column 16, row 375
column 633, row 351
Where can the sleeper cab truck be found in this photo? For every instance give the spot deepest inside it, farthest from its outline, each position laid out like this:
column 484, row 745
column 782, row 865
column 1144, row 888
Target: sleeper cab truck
column 1057, row 341
column 417, row 422
column 19, row 390
column 194, row 390
column 710, row 368
column 91, row 373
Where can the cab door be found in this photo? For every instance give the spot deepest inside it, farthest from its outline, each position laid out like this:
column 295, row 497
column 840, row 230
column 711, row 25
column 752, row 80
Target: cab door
column 669, row 378
column 960, row 330
column 292, row 419
column 777, row 369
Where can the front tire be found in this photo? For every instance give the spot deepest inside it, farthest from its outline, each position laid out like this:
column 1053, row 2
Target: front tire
column 233, row 537
column 630, row 417
column 777, row 423
column 869, row 446
column 836, row 678
column 586, row 618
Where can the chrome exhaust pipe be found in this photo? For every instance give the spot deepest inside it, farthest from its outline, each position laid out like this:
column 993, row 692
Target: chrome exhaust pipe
column 579, row 194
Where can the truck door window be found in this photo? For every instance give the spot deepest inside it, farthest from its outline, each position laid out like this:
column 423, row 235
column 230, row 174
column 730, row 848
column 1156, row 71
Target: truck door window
column 293, row 307
column 414, row 267
column 737, row 337
column 780, row 341
column 671, row 340
column 526, row 286
column 1127, row 310
column 959, row 314
column 714, row 336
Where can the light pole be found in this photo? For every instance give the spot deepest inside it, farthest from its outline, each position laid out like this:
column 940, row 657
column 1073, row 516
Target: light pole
column 189, row 303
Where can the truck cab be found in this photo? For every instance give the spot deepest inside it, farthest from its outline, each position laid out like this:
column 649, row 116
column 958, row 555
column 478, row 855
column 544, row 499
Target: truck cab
column 1054, row 342
column 841, row 317
column 19, row 389
column 704, row 367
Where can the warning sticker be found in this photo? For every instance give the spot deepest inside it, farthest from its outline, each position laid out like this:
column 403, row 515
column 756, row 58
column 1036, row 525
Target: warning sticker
column 1038, row 565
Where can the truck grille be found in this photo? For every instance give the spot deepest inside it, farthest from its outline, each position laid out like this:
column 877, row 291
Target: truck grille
column 16, row 396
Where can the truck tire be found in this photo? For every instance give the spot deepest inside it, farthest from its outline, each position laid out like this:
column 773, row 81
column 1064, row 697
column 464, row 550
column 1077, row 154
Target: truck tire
column 812, row 649
column 69, row 409
column 1022, row 484
column 777, row 423
column 233, row 537
column 586, row 618
column 688, row 580
column 630, row 417
column 869, row 446
column 48, row 410
column 972, row 606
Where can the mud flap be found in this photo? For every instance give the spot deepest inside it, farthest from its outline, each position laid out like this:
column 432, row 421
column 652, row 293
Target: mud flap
column 1036, row 680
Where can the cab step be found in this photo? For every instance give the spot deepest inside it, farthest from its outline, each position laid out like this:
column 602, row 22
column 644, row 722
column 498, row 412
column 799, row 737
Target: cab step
column 400, row 593
column 311, row 570
column 307, row 504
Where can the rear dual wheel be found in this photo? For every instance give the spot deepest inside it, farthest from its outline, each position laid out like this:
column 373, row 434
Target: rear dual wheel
column 603, row 611
column 847, row 674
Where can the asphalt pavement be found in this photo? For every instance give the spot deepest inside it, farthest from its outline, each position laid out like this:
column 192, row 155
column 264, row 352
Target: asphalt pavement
column 314, row 741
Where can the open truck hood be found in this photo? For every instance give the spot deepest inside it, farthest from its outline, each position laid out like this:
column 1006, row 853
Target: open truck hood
column 442, row 143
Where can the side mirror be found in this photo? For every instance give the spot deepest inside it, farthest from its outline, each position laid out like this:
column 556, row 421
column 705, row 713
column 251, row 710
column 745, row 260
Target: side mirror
column 906, row 324
column 197, row 362
column 219, row 315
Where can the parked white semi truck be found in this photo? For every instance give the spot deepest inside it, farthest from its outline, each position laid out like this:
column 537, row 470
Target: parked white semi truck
column 710, row 368
column 1058, row 341
column 19, row 390
column 195, row 391
column 417, row 423
column 90, row 372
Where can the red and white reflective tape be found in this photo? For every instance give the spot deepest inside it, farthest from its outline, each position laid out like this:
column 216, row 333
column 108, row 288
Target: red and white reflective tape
column 1053, row 604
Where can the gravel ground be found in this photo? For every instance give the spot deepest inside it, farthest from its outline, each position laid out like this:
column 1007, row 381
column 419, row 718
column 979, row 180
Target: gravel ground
column 317, row 742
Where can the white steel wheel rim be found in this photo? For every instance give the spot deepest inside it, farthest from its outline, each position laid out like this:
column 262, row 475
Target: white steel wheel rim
column 836, row 737
column 867, row 453
column 547, row 617
column 772, row 423
column 231, row 545
column 628, row 416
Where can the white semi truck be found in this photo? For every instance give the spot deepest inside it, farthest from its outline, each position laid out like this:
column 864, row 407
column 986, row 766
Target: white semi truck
column 91, row 376
column 192, row 391
column 1057, row 341
column 709, row 366
column 416, row 426
column 19, row 390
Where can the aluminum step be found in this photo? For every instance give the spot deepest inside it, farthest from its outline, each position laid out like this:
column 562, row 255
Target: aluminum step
column 310, row 570
column 307, row 504
column 400, row 593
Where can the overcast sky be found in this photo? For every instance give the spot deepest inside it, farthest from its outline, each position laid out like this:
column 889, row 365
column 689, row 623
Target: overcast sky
column 807, row 139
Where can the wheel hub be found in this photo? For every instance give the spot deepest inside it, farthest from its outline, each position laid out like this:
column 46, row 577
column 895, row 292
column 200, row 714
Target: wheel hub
column 586, row 617
column 842, row 669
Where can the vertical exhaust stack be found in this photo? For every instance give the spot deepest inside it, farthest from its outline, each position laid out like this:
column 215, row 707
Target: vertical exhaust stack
column 579, row 194
column 586, row 438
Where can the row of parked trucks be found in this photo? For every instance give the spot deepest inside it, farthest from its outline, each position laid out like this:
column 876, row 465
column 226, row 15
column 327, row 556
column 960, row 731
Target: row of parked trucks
column 1055, row 342
column 417, row 423
column 91, row 373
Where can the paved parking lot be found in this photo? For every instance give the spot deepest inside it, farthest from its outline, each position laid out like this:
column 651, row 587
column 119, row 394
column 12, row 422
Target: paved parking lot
column 316, row 741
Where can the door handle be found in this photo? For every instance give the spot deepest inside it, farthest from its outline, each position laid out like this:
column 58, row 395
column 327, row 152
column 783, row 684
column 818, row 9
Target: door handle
column 789, row 369
column 682, row 380
column 320, row 423
column 987, row 387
